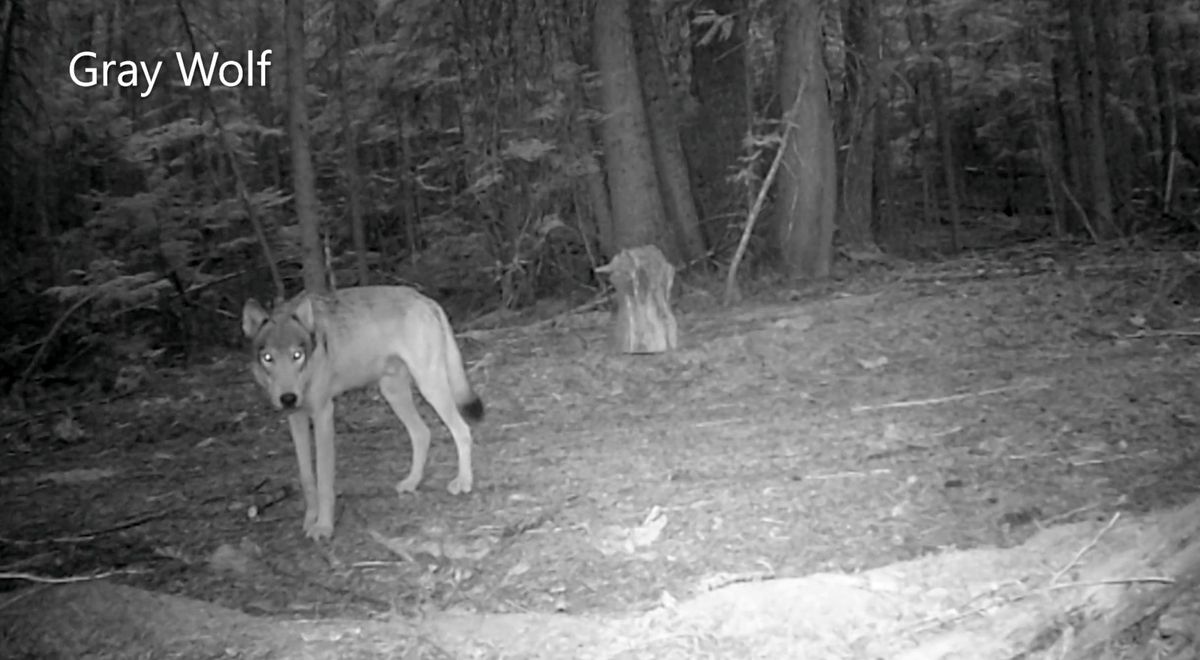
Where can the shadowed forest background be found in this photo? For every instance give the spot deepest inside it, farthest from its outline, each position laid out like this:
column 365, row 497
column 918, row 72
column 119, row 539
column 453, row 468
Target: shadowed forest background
column 476, row 150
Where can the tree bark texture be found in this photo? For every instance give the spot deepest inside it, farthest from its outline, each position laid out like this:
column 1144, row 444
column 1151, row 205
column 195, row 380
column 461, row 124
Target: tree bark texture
column 635, row 199
column 1164, row 99
column 583, row 146
column 1114, row 83
column 938, row 73
column 673, row 178
column 353, row 173
column 1096, row 176
column 303, row 182
column 886, row 226
column 806, row 198
column 861, row 23
column 643, row 322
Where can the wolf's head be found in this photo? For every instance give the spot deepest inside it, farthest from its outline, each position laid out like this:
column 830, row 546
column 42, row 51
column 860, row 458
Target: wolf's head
column 284, row 341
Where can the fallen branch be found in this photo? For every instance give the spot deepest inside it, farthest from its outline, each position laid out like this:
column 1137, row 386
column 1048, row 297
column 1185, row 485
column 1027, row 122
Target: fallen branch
column 1084, row 550
column 731, row 288
column 843, row 475
column 1161, row 333
column 70, row 579
column 947, row 399
column 54, row 330
column 89, row 536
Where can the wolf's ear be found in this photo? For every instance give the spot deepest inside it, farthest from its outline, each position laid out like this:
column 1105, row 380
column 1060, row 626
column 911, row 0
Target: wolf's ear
column 253, row 317
column 304, row 313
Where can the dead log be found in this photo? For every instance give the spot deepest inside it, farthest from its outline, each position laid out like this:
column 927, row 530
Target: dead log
column 1169, row 550
column 1129, row 575
column 643, row 322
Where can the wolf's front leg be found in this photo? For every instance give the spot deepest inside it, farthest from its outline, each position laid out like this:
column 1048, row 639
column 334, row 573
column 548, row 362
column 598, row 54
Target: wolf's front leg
column 323, row 435
column 302, row 437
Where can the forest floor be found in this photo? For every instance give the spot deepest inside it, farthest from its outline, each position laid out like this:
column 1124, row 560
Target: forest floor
column 830, row 472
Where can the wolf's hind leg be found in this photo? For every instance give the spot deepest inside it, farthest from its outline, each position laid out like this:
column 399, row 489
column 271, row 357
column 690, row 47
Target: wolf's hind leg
column 396, row 387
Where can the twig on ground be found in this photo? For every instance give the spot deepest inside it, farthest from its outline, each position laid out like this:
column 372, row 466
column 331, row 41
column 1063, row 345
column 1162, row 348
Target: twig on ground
column 1067, row 514
column 855, row 473
column 88, row 536
column 1084, row 550
column 280, row 495
column 1030, row 457
column 952, row 397
column 719, row 422
column 395, row 547
column 69, row 579
column 374, row 563
column 722, row 579
column 1153, row 579
column 1098, row 461
column 136, row 521
column 941, row 619
column 1161, row 333
column 20, row 595
column 937, row 621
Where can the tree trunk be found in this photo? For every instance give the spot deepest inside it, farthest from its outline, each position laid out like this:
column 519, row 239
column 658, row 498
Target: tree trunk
column 303, row 183
column 939, row 72
column 643, row 321
column 1049, row 116
column 353, row 173
column 861, row 23
column 1119, row 147
column 1070, row 141
column 1183, row 80
column 715, row 134
column 807, row 193
column 673, row 178
column 1096, row 176
column 409, row 190
column 886, row 223
column 354, row 187
column 1164, row 99
column 582, row 143
column 637, row 205
column 922, row 152
column 595, row 220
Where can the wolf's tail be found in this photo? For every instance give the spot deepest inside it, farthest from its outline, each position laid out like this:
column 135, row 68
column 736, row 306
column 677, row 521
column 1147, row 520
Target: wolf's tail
column 469, row 403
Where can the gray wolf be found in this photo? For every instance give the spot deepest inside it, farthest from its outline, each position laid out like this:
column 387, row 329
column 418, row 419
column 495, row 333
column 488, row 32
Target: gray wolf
column 313, row 348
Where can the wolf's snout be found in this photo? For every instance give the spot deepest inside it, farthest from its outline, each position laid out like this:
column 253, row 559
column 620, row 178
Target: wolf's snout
column 287, row 400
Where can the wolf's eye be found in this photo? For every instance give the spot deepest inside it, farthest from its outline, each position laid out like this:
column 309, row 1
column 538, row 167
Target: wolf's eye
column 266, row 358
column 297, row 355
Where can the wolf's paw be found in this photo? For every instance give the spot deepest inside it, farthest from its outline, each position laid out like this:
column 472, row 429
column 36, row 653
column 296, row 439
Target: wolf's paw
column 408, row 484
column 460, row 484
column 319, row 531
column 316, row 529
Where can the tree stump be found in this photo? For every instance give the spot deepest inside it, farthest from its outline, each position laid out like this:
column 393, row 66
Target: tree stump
column 643, row 322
